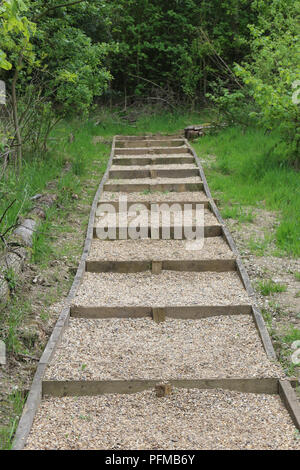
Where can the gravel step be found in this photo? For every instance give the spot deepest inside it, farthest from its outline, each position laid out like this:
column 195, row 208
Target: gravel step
column 148, row 160
column 175, row 214
column 174, row 166
column 166, row 289
column 156, row 196
column 133, row 349
column 143, row 173
column 187, row 419
column 192, row 183
column 152, row 151
column 149, row 143
column 124, row 250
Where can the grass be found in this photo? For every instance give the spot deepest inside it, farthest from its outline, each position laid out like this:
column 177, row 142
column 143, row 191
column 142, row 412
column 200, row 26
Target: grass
column 16, row 402
column 268, row 287
column 248, row 171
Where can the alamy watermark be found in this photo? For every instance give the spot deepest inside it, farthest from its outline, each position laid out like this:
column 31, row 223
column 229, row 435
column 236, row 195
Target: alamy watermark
column 2, row 92
column 2, row 353
column 296, row 94
column 296, row 354
column 163, row 221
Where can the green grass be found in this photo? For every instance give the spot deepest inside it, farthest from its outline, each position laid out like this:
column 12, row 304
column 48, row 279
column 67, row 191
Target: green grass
column 248, row 171
column 267, row 287
column 297, row 276
column 291, row 335
column 16, row 402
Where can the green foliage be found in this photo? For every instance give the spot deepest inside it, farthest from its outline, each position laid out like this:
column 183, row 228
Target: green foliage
column 271, row 78
column 246, row 172
column 15, row 32
column 267, row 287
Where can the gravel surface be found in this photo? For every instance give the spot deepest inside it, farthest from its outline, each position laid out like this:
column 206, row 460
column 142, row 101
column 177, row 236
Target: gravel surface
column 132, row 349
column 187, row 420
column 166, row 289
column 118, row 250
column 153, row 155
column 143, row 217
column 155, row 196
column 190, row 179
column 169, row 166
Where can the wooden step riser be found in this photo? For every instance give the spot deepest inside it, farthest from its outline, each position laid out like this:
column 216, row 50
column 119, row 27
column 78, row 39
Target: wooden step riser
column 218, row 265
column 153, row 161
column 74, row 388
column 132, row 174
column 134, row 138
column 209, row 231
column 196, row 312
column 140, row 187
column 152, row 151
column 149, row 143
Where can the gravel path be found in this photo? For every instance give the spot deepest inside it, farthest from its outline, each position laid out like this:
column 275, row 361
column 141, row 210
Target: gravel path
column 214, row 248
column 166, row 289
column 155, row 196
column 132, row 349
column 138, row 348
column 187, row 419
column 153, row 155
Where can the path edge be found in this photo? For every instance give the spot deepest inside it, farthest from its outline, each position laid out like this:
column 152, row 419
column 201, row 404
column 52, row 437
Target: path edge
column 35, row 393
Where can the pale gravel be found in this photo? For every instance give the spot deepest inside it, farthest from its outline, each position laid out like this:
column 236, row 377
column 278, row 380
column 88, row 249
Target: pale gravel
column 169, row 166
column 132, row 349
column 155, row 196
column 186, row 420
column 142, row 216
column 124, row 250
column 166, row 289
column 153, row 181
column 153, row 155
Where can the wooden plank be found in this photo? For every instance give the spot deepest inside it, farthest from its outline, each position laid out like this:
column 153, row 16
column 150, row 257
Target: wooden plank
column 136, row 266
column 167, row 173
column 153, row 161
column 140, row 187
column 152, row 151
column 78, row 311
column 213, row 265
column 94, row 388
column 97, row 266
column 142, row 143
column 289, row 398
column 183, row 312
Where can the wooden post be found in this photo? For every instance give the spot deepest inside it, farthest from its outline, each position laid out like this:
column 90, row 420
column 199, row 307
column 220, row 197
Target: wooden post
column 158, row 314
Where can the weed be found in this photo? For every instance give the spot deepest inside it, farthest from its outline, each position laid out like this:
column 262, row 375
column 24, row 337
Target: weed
column 267, row 287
